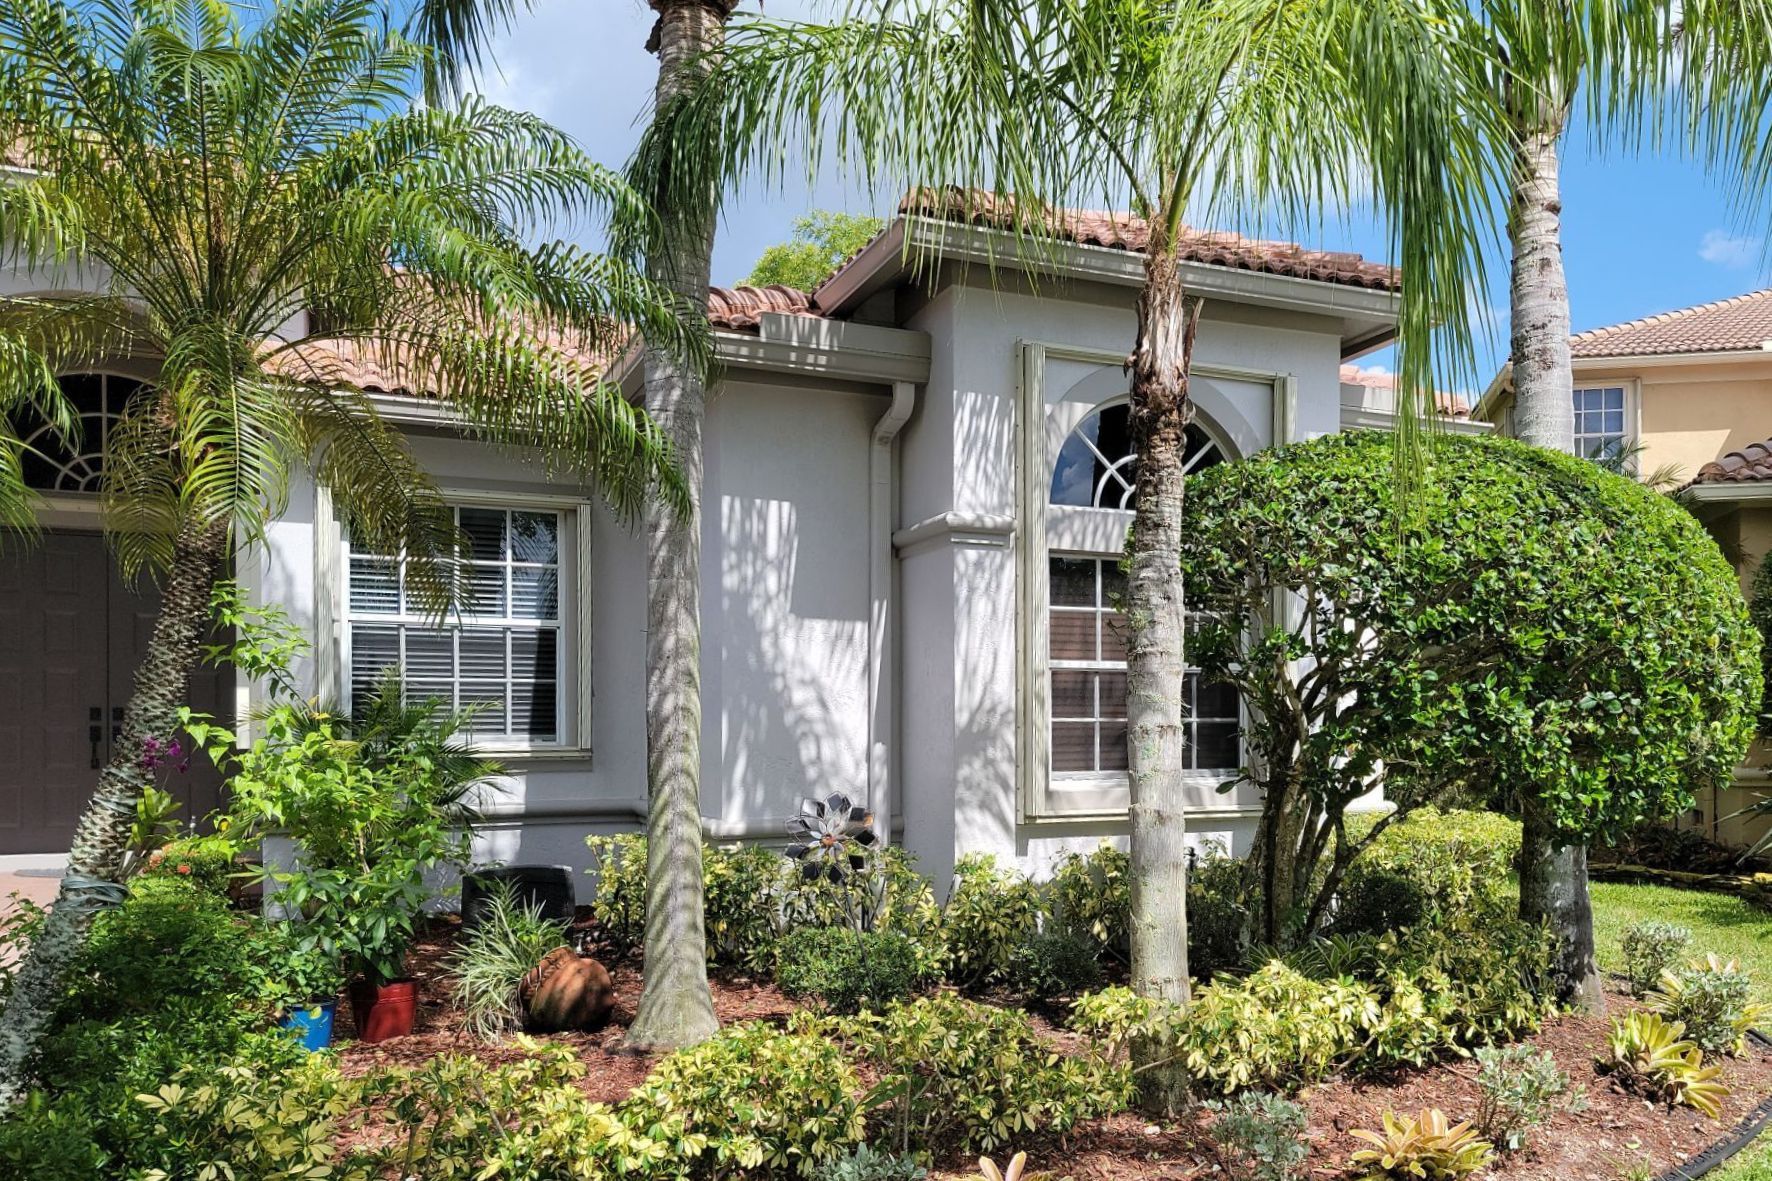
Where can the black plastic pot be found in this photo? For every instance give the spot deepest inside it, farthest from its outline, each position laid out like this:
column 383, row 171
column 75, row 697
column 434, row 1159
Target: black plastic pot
column 549, row 887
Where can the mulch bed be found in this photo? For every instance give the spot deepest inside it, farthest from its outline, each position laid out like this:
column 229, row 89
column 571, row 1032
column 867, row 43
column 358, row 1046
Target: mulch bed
column 1616, row 1133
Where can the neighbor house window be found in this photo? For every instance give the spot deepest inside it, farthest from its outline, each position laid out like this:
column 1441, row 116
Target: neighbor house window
column 1087, row 633
column 1599, row 422
column 502, row 654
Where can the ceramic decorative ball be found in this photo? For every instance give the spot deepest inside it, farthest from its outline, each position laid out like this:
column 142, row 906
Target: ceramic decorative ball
column 567, row 991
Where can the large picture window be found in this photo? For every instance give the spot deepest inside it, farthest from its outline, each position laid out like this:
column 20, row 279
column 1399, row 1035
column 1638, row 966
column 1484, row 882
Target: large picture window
column 502, row 655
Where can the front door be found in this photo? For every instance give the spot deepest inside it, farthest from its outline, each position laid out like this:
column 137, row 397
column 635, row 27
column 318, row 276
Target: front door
column 71, row 635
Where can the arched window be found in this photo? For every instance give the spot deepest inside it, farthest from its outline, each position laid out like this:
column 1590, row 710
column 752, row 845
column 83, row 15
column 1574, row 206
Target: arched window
column 99, row 400
column 1086, row 628
column 1096, row 468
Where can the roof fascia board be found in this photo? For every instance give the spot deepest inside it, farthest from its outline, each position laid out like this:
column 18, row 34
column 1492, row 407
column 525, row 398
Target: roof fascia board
column 808, row 345
column 1732, row 492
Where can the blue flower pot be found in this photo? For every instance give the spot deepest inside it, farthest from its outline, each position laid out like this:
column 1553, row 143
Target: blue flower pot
column 312, row 1024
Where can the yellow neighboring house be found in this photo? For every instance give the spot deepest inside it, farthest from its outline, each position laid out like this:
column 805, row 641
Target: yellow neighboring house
column 1689, row 393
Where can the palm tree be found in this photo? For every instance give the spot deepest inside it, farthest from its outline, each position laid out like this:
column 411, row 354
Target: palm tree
column 1227, row 109
column 676, row 1008
column 256, row 207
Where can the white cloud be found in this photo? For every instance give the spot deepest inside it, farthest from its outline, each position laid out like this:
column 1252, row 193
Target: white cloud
column 1728, row 250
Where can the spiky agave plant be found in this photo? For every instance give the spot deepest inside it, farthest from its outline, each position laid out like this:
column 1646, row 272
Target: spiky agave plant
column 258, row 207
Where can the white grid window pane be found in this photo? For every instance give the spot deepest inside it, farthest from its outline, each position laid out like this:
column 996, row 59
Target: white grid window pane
column 1599, row 422
column 500, row 658
column 1086, row 685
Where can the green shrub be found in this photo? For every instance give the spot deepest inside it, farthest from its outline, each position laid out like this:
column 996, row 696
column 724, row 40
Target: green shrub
column 1713, row 999
column 1650, row 948
column 1092, row 898
column 207, row 861
column 168, row 940
column 1428, row 864
column 1052, row 964
column 462, row 1120
column 1258, row 1136
column 870, row 1164
column 1521, row 1089
column 52, row 1139
column 296, row 970
column 1216, row 915
column 956, row 1075
column 847, row 970
column 752, row 895
column 490, row 963
column 990, row 912
column 1275, row 1029
column 764, row 1099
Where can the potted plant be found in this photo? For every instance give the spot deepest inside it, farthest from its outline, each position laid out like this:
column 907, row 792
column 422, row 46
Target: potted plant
column 302, row 982
column 373, row 806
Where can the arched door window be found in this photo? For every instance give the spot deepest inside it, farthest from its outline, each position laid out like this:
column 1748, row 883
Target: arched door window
column 50, row 463
column 1086, row 694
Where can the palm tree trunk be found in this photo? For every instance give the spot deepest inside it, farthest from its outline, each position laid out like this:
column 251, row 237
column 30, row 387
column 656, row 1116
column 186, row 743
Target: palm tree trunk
column 676, row 1008
column 1156, row 664
column 1553, row 873
column 93, row 880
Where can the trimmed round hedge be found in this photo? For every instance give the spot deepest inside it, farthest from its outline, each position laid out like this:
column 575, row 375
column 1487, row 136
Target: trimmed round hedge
column 1535, row 624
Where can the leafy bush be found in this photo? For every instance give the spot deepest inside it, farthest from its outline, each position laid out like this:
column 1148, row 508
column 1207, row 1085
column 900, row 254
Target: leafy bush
column 753, row 895
column 1547, row 626
column 207, row 861
column 1651, row 947
column 991, row 911
column 49, row 1139
column 1649, row 1054
column 168, row 940
column 1052, row 964
column 462, row 1120
column 296, row 971
column 1275, row 1029
column 373, row 810
column 956, row 1075
column 1426, row 1147
column 1521, row 1088
column 763, row 1099
column 1092, row 898
column 1257, row 1136
column 1430, row 863
column 490, row 963
column 1713, row 999
column 1217, row 915
column 869, row 1164
column 247, row 1121
column 847, row 970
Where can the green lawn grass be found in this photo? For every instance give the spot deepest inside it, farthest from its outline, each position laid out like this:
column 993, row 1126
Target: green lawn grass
column 1719, row 922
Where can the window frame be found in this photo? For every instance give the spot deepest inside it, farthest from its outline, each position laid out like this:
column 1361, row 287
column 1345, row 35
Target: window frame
column 1068, row 531
column 572, row 669
column 1629, row 433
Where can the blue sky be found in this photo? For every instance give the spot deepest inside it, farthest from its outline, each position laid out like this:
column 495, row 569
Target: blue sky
column 1642, row 234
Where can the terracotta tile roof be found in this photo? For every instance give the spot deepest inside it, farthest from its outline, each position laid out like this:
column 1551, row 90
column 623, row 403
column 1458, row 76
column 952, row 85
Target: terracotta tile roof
column 1752, row 463
column 349, row 362
column 741, row 309
column 1454, row 405
column 1728, row 325
column 1120, row 231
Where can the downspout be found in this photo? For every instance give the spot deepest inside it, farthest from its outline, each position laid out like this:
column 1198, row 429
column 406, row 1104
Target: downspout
column 882, row 509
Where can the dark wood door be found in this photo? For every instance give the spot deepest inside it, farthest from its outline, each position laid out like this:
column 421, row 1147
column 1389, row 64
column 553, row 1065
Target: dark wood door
column 71, row 635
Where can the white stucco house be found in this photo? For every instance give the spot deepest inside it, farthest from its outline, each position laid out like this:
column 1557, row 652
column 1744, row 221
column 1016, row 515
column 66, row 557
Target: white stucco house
column 917, row 487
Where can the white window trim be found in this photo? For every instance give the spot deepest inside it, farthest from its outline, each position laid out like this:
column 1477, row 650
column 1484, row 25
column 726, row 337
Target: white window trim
column 332, row 614
column 1633, row 402
column 1041, row 795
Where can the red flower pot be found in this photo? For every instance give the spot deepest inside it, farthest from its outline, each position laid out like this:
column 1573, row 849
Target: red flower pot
column 384, row 1010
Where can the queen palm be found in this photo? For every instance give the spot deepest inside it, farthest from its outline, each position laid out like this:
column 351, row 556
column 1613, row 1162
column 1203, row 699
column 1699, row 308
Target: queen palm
column 259, row 210
column 1236, row 111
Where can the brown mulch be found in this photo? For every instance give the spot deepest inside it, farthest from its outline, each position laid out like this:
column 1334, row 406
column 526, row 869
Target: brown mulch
column 1616, row 1132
